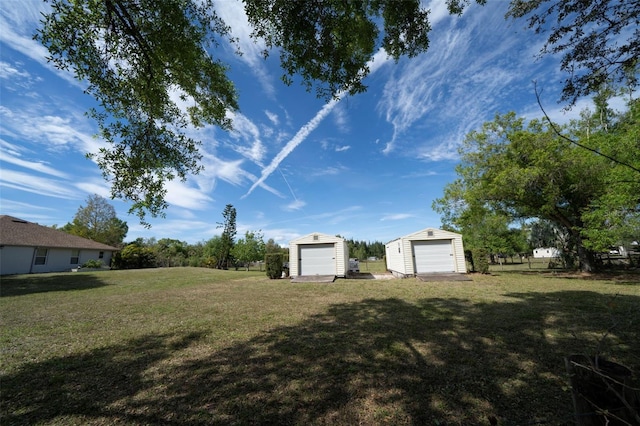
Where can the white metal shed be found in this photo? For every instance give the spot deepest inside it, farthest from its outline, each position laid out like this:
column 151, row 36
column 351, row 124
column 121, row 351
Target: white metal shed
column 427, row 251
column 318, row 254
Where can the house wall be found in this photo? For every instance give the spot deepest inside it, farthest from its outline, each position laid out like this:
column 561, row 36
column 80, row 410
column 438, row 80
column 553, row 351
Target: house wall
column 342, row 252
column 15, row 260
column 401, row 264
column 19, row 260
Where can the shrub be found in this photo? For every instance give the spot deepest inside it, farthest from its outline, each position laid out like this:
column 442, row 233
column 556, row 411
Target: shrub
column 92, row 263
column 134, row 257
column 481, row 261
column 273, row 264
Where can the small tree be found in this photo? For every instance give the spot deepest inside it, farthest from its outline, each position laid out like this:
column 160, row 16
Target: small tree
column 249, row 249
column 227, row 237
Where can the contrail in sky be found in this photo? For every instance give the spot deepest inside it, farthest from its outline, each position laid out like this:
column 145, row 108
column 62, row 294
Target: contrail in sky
column 295, row 141
column 379, row 59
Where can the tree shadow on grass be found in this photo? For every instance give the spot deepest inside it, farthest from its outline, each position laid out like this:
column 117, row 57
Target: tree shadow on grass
column 376, row 361
column 20, row 285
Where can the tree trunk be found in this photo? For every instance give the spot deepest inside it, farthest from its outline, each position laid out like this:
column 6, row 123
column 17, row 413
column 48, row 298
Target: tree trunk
column 585, row 256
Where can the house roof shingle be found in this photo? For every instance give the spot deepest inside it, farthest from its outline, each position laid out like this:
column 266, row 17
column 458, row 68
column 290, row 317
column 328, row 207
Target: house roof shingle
column 18, row 232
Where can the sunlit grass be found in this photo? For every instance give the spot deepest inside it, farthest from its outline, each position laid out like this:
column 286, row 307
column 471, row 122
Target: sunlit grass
column 201, row 346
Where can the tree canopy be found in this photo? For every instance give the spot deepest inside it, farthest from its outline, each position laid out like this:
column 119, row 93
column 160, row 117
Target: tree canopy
column 97, row 221
column 144, row 59
column 514, row 170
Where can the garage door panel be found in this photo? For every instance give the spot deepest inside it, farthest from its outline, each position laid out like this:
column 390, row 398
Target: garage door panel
column 433, row 256
column 318, row 259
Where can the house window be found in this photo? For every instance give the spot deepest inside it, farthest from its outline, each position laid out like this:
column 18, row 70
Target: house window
column 101, row 255
column 41, row 256
column 75, row 257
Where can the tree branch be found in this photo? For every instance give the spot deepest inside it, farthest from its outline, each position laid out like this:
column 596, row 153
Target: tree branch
column 557, row 132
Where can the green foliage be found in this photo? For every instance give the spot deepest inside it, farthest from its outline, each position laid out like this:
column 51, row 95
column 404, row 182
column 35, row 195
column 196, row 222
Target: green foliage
column 227, row 238
column 274, row 264
column 97, row 221
column 331, row 42
column 170, row 252
column 93, row 263
column 363, row 249
column 480, row 260
column 134, row 55
column 249, row 249
column 134, row 256
column 590, row 57
column 510, row 171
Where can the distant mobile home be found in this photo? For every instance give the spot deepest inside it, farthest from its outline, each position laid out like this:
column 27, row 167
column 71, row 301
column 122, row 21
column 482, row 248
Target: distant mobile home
column 318, row 254
column 27, row 247
column 545, row 252
column 427, row 251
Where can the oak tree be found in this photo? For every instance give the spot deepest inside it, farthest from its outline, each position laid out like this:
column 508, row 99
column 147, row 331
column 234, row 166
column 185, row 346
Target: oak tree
column 522, row 171
column 97, row 221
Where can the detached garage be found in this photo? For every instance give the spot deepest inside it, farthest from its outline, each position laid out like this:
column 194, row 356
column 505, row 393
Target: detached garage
column 424, row 252
column 318, row 254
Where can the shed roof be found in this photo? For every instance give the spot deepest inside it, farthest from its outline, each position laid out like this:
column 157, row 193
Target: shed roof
column 18, row 232
column 438, row 233
column 325, row 238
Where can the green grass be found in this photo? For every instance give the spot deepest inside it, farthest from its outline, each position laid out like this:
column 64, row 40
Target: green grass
column 207, row 347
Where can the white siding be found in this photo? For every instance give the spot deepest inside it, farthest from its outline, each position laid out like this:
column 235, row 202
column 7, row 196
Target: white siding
column 400, row 252
column 341, row 252
column 20, row 260
column 15, row 260
column 394, row 254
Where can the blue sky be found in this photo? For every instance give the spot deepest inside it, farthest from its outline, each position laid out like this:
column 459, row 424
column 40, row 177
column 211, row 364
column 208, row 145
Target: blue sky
column 366, row 167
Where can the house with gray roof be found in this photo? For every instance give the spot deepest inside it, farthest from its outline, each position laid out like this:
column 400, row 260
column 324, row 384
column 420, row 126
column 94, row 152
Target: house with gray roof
column 27, row 248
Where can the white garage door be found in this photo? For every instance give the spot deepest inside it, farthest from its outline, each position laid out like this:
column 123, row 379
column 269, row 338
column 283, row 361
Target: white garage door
column 318, row 259
column 433, row 256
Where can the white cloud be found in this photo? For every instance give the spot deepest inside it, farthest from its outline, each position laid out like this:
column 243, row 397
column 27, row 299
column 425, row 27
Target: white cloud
column 246, row 131
column 19, row 23
column 95, row 186
column 295, row 205
column 181, row 194
column 232, row 12
column 273, row 117
column 36, row 166
column 397, row 216
column 38, row 185
column 7, row 71
column 343, row 148
column 35, row 124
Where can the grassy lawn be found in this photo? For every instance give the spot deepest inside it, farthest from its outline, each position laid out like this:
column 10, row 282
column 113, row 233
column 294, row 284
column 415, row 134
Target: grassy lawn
column 206, row 347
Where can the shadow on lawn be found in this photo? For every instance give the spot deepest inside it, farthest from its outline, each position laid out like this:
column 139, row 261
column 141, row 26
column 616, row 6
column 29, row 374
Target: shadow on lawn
column 440, row 361
column 19, row 285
